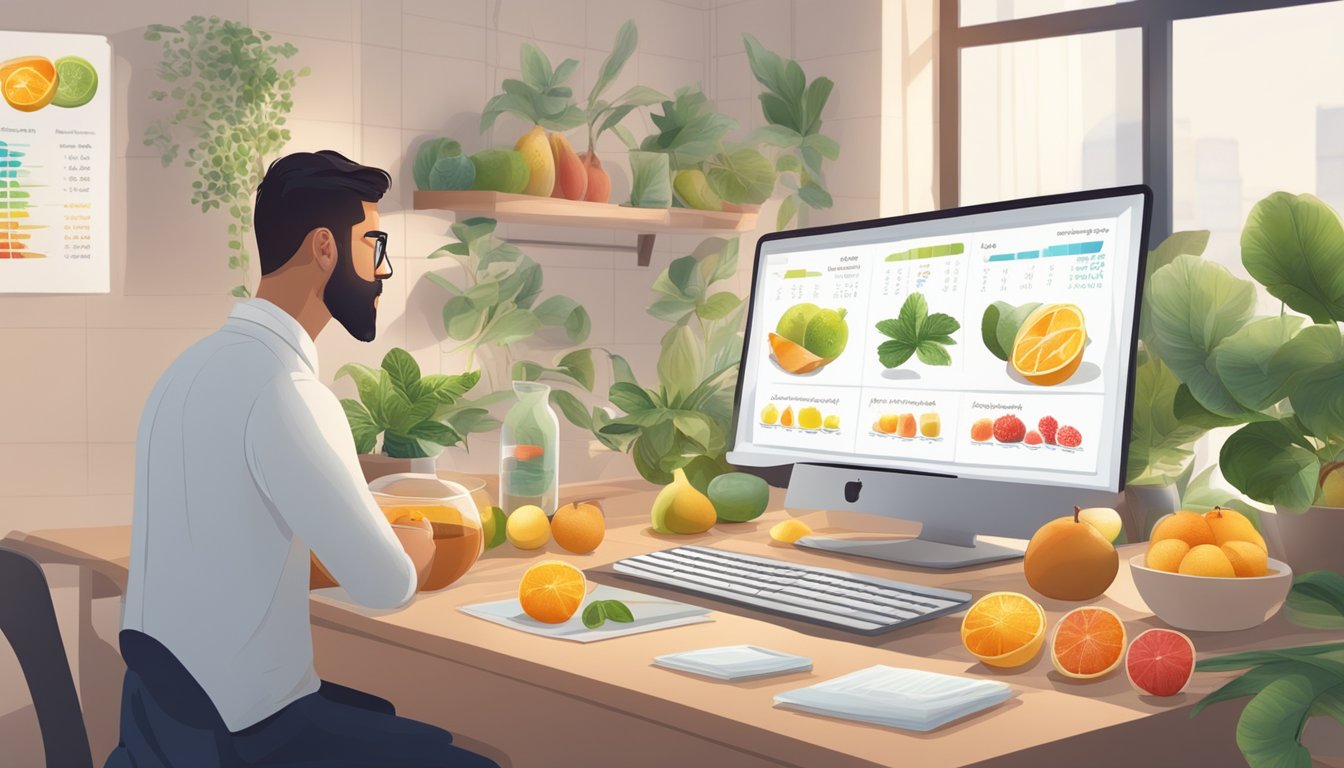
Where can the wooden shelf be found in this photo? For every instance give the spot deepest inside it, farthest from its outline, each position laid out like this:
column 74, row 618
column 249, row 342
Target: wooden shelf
column 530, row 209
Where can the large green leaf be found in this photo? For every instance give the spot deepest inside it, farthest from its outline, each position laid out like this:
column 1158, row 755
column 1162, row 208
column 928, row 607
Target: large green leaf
column 1159, row 444
column 621, row 372
column 564, row 312
column 572, row 408
column 435, row 432
column 718, row 306
column 1294, row 246
column 1189, row 411
column 466, row 420
column 536, row 67
column 630, row 397
column 362, row 427
column 1244, row 361
column 366, row 381
column 1315, row 347
column 510, row 326
column 445, row 389
column 651, row 448
column 1177, row 243
column 1317, row 600
column 695, row 426
column 651, row 180
column 1266, row 461
column 1269, row 728
column 462, row 319
column 681, row 362
column 404, row 371
column 1318, row 400
column 1194, row 306
column 627, row 37
column 743, row 176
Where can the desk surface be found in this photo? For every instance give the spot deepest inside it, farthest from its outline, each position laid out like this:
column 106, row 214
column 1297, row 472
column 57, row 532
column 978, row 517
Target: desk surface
column 618, row 673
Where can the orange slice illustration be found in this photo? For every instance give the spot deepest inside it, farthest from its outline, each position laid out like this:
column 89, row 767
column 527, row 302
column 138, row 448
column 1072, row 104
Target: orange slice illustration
column 1049, row 345
column 792, row 357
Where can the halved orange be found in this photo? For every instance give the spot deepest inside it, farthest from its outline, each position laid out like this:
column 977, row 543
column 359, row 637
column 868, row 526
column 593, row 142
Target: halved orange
column 552, row 591
column 42, row 64
column 1089, row 642
column 28, row 90
column 792, row 357
column 1048, row 347
column 1004, row 629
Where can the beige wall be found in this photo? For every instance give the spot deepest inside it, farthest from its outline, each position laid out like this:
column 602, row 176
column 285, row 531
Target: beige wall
column 75, row 371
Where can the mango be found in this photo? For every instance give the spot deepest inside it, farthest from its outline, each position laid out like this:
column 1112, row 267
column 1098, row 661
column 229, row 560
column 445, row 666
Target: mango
column 571, row 177
column 692, row 186
column 536, row 152
column 500, row 170
column 738, row 497
column 680, row 508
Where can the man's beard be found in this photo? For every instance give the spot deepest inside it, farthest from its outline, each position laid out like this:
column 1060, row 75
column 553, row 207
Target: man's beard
column 349, row 297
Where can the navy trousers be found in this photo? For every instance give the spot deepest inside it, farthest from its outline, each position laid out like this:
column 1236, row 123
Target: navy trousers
column 167, row 721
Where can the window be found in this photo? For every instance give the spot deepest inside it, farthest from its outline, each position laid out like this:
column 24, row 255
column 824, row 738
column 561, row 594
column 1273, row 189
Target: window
column 1213, row 103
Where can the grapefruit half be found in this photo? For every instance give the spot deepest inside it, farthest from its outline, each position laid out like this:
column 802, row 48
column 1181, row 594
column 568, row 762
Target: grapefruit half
column 1160, row 662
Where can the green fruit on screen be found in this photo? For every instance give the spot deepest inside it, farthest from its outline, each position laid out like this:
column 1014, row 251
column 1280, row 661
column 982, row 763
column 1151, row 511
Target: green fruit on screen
column 793, row 324
column 826, row 334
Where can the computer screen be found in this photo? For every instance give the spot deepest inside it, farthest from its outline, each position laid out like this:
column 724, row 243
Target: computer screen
column 992, row 342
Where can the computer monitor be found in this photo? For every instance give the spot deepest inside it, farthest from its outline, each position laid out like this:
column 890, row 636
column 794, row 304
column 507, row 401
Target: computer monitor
column 970, row 369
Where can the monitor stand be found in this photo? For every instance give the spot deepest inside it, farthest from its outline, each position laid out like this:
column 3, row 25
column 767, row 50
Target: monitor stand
column 933, row 548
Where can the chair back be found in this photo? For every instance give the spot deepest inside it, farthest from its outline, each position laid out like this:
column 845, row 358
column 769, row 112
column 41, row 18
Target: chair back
column 28, row 621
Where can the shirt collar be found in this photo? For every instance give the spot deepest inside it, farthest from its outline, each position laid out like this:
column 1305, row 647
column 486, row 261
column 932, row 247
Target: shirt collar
column 281, row 323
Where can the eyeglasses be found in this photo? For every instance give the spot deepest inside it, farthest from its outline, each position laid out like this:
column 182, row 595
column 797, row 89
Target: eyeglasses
column 380, row 258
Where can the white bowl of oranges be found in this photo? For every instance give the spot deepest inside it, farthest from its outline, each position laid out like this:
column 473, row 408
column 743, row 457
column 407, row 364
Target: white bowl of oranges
column 1210, row 572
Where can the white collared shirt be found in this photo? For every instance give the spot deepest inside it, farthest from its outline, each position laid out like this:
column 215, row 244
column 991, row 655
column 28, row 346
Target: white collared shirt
column 244, row 461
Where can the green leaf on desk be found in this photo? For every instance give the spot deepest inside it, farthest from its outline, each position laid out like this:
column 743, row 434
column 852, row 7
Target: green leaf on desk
column 1317, row 600
column 599, row 612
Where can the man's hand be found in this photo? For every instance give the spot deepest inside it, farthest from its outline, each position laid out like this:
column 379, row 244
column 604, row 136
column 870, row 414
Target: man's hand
column 417, row 538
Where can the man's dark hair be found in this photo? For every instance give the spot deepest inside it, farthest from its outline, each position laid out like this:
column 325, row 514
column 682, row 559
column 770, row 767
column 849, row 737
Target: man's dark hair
column 308, row 190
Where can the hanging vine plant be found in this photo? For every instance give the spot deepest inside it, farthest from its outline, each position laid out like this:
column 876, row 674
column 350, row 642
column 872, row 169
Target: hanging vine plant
column 233, row 95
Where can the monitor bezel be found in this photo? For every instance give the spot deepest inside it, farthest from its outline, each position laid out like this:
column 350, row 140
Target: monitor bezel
column 1142, row 190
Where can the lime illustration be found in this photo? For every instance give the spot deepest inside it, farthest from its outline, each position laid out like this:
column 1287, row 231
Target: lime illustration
column 793, row 325
column 76, row 82
column 826, row 334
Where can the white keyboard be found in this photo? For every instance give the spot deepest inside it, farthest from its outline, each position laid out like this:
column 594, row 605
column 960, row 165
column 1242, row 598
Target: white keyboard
column 851, row 601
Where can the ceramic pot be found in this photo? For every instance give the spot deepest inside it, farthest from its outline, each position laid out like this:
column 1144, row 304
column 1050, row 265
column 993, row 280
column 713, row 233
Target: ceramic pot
column 376, row 465
column 1307, row 541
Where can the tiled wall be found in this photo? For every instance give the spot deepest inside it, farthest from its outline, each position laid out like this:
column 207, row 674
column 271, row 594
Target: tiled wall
column 75, row 371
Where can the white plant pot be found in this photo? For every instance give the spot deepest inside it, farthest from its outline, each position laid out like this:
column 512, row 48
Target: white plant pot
column 1307, row 541
column 1144, row 505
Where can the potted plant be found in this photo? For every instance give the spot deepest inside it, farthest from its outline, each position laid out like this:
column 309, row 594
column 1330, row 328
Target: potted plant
column 543, row 99
column 417, row 416
column 603, row 116
column 1276, row 378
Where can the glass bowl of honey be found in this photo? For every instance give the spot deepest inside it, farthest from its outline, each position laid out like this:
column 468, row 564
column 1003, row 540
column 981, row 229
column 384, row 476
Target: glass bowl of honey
column 451, row 512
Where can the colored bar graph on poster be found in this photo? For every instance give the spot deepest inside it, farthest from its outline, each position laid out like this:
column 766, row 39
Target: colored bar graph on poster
column 929, row 252
column 1065, row 249
column 16, row 223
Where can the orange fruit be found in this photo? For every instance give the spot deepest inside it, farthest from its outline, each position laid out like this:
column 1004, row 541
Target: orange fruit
column 905, row 425
column 888, row 423
column 792, row 357
column 786, row 418
column 552, row 591
column 1049, row 345
column 43, row 65
column 1247, row 559
column 1207, row 560
column 1004, row 629
column 1088, row 642
column 28, row 89
column 1230, row 525
column 580, row 527
column 982, row 430
column 1166, row 555
column 1190, row 527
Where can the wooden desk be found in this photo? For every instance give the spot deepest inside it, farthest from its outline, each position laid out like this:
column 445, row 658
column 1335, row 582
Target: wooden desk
column 534, row 701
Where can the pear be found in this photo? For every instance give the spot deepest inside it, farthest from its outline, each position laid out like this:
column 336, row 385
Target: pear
column 536, row 153
column 693, row 188
column 571, row 177
column 680, row 508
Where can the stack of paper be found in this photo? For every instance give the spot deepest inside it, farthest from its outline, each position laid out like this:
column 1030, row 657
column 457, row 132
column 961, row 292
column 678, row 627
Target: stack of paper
column 900, row 698
column 734, row 662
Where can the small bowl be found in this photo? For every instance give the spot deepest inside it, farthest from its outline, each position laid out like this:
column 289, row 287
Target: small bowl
column 1210, row 603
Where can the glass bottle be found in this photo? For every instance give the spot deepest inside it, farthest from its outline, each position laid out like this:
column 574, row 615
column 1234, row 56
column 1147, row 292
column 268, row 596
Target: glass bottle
column 529, row 451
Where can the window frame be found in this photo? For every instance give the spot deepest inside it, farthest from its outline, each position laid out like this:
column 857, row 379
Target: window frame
column 1154, row 20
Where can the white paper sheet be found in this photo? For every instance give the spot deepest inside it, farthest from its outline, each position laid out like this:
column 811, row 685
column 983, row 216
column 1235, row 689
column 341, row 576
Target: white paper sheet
column 650, row 613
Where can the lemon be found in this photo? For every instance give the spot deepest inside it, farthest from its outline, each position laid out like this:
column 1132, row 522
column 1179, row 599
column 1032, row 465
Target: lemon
column 832, row 422
column 809, row 418
column 769, row 414
column 789, row 531
column 528, row 527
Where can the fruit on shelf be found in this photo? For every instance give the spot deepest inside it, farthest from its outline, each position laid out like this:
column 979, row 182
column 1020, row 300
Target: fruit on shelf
column 1104, row 519
column 680, row 508
column 1009, row 429
column 536, row 151
column 1088, row 643
column 930, row 425
column 786, row 418
column 982, row 430
column 1049, row 346
column 693, row 188
column 1068, row 559
column 769, row 414
column 1048, row 426
column 1068, row 437
column 500, row 170
column 792, row 357
column 1160, row 662
column 905, row 425
column 599, row 183
column 809, row 418
column 738, row 497
column 1004, row 629
column 579, row 527
column 571, row 177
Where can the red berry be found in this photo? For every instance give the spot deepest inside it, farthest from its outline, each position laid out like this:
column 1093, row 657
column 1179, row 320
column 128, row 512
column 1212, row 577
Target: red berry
column 1033, row 438
column 1069, row 437
column 1009, row 429
column 1048, row 425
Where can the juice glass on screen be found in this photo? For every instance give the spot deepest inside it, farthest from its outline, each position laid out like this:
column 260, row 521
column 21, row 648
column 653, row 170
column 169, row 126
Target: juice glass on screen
column 451, row 512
